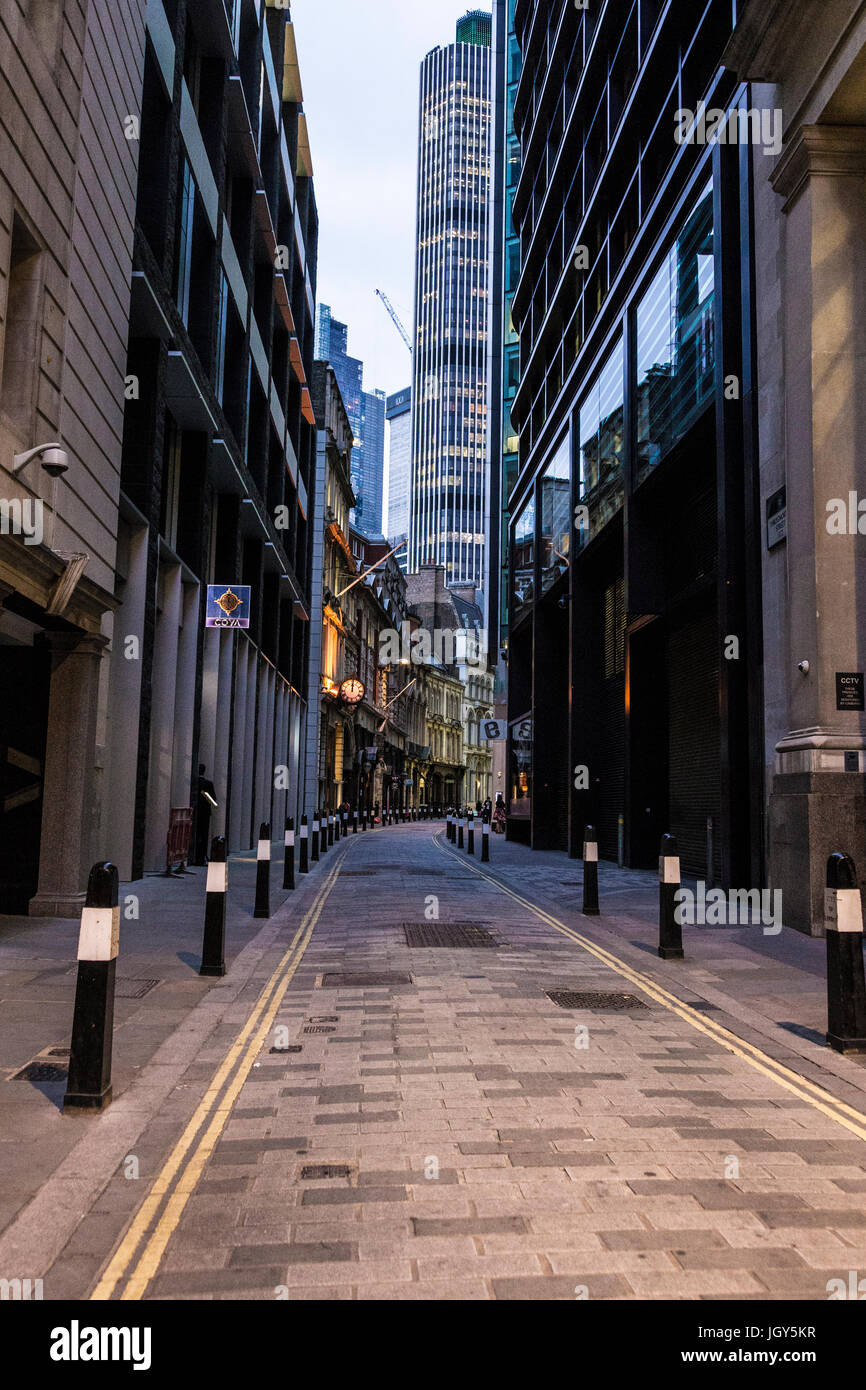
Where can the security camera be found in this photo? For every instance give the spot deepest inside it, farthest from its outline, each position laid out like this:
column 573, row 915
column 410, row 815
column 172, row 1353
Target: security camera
column 55, row 459
column 803, row 667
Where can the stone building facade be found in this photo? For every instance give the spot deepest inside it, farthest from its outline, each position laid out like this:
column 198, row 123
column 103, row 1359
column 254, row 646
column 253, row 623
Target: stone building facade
column 70, row 112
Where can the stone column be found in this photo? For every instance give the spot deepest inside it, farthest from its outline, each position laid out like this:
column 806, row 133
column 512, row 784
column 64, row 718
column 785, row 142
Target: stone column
column 817, row 806
column 69, row 809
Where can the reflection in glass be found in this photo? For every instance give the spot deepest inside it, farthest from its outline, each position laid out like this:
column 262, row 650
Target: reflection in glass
column 602, row 488
column 555, row 539
column 676, row 340
column 523, row 560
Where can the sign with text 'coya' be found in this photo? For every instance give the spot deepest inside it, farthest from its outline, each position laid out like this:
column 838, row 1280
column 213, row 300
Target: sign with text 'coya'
column 228, row 605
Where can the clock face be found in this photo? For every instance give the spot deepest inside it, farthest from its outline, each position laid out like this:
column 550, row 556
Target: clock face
column 353, row 691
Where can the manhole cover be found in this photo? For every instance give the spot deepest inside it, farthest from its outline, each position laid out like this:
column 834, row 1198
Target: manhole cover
column 451, row 934
column 363, row 979
column 572, row 999
column 295, row 1047
column 314, row 1171
column 134, row 989
column 319, row 1028
column 41, row 1071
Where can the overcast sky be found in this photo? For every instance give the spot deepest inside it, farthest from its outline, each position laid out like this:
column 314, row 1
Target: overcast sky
column 360, row 62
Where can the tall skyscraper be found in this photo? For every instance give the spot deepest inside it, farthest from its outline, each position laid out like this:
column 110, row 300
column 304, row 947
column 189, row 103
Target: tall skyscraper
column 366, row 412
column 449, row 397
column 398, row 412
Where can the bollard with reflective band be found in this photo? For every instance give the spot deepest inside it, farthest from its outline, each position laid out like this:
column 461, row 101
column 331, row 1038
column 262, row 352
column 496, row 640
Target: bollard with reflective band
column 470, row 839
column 590, row 872
column 88, row 1085
column 323, row 833
column 263, row 873
column 213, row 960
column 337, row 828
column 314, row 838
column 289, row 856
column 670, row 930
column 330, row 830
column 485, row 839
column 461, row 822
column 304, row 865
column 846, row 984
column 449, row 833
column 354, row 822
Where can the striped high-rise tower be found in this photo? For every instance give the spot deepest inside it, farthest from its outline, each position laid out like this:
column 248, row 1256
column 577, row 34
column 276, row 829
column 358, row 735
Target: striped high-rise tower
column 449, row 394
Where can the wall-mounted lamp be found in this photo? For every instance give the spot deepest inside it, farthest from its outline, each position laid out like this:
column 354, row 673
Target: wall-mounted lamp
column 55, row 459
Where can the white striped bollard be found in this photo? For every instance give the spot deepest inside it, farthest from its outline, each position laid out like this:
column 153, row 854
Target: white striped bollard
column 670, row 929
column 304, row 865
column 330, row 830
column 461, row 822
column 846, row 985
column 263, row 872
column 354, row 822
column 323, row 833
column 470, row 839
column 485, row 838
column 88, row 1085
column 314, row 838
column 289, row 856
column 590, row 872
column 213, row 960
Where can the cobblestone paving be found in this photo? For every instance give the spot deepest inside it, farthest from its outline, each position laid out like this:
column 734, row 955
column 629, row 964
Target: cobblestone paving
column 485, row 1144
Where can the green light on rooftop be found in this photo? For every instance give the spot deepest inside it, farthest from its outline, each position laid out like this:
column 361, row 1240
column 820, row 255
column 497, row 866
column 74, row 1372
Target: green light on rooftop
column 475, row 27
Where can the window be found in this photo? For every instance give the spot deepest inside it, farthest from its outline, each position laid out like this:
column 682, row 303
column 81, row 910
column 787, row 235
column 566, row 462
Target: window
column 556, row 518
column 676, row 340
column 523, row 560
column 183, row 271
column 222, row 329
column 22, row 326
column 601, row 445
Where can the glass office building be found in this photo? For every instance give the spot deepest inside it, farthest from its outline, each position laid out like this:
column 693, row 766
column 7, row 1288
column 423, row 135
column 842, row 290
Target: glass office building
column 634, row 517
column 450, row 494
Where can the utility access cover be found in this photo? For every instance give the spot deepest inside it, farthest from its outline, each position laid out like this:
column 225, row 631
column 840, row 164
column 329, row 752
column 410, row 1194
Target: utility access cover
column 468, row 935
column 363, row 979
column 41, row 1072
column 573, row 999
column 315, row 1172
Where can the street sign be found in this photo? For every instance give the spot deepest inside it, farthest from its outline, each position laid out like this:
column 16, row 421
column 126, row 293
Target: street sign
column 850, row 690
column 228, row 605
column 777, row 518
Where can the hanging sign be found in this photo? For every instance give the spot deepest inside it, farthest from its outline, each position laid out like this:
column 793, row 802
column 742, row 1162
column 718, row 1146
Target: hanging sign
column 228, row 605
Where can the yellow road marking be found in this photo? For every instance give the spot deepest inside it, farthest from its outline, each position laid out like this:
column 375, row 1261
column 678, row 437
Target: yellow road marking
column 800, row 1086
column 269, row 1000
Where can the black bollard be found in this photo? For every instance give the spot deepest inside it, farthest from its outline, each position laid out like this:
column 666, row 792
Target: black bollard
column 670, row 930
column 314, row 838
column 289, row 856
column 336, row 827
column 485, row 839
column 330, row 831
column 363, row 818
column 305, row 846
column 263, row 873
column 448, row 827
column 88, row 1085
column 354, row 822
column 213, row 947
column 461, row 821
column 846, row 985
column 470, row 839
column 323, row 833
column 590, row 872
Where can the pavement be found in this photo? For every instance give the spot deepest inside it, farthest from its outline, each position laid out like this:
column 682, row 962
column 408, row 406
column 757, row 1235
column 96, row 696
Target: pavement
column 365, row 1109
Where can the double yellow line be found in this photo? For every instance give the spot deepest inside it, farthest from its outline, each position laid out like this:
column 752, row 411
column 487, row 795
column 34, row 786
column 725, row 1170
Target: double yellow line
column 182, row 1170
column 805, row 1090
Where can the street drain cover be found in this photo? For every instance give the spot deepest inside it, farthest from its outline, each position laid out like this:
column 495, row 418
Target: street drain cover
column 450, row 934
column 312, row 1172
column 319, row 1028
column 295, row 1047
column 41, row 1071
column 134, row 989
column 363, row 979
column 572, row 999
column 324, row 1018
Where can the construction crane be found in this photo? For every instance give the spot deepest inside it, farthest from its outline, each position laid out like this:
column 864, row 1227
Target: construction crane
column 396, row 318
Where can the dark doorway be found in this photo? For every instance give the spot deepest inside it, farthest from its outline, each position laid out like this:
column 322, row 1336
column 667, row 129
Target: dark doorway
column 648, row 739
column 25, row 677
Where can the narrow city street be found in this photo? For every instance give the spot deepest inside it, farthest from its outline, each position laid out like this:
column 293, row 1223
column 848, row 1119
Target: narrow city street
column 391, row 1096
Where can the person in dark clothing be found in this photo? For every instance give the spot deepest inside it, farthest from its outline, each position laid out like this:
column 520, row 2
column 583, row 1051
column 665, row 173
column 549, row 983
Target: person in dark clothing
column 205, row 803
